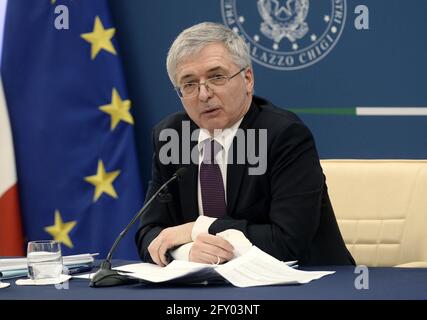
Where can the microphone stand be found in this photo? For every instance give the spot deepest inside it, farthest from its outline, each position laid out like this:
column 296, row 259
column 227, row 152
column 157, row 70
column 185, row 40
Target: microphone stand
column 105, row 276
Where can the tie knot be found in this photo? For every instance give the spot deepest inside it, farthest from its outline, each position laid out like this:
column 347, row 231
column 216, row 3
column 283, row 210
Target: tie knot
column 210, row 150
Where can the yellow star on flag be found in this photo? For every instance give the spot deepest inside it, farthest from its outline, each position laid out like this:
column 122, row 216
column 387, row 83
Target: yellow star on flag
column 103, row 181
column 60, row 230
column 118, row 110
column 100, row 38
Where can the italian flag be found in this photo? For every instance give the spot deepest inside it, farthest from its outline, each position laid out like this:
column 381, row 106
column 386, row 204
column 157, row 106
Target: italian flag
column 11, row 239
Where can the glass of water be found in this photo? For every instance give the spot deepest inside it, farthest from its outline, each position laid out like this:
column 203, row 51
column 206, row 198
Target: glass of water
column 44, row 259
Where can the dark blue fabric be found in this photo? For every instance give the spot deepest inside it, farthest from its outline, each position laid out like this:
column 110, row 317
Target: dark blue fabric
column 384, row 283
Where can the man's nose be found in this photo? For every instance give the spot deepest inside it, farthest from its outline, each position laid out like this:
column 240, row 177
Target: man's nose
column 204, row 92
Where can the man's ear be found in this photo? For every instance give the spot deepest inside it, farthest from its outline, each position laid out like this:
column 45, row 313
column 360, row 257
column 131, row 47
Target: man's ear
column 249, row 80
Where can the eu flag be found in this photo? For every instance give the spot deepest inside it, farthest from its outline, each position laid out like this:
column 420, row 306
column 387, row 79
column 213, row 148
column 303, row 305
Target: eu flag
column 72, row 124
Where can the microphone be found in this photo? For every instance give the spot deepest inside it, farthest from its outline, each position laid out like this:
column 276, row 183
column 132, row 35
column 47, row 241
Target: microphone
column 105, row 276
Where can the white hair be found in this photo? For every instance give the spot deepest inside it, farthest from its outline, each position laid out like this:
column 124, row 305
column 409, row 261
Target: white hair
column 194, row 39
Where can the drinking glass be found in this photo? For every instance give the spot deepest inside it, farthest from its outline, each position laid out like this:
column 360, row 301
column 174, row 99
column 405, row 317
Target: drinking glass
column 44, row 259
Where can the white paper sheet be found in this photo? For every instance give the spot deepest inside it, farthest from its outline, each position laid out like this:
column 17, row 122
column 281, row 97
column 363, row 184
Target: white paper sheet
column 253, row 268
column 257, row 268
column 154, row 273
column 43, row 282
column 250, row 267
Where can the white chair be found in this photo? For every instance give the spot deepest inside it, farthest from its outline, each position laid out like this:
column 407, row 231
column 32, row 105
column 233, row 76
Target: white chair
column 381, row 208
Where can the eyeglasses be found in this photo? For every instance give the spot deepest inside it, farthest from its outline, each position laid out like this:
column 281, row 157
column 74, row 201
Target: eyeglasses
column 191, row 89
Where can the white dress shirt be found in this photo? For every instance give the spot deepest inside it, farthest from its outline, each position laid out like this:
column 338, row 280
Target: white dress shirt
column 224, row 138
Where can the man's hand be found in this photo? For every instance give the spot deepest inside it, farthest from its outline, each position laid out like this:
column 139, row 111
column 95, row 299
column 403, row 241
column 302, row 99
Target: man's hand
column 211, row 249
column 169, row 238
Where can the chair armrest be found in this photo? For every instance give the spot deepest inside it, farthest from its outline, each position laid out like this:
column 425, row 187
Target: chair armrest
column 414, row 264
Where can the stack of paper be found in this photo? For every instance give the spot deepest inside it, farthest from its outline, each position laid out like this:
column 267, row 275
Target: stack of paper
column 250, row 267
column 17, row 267
column 79, row 259
column 254, row 268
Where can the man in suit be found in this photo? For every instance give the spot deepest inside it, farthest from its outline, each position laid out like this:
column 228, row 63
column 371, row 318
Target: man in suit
column 283, row 207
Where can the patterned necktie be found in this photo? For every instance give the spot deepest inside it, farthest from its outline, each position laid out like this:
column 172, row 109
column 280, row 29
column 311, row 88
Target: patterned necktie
column 211, row 183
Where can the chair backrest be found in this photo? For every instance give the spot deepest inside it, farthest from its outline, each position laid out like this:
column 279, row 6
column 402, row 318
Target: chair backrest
column 381, row 208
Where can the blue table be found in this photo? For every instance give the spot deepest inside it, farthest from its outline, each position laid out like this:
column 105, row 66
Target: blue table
column 220, row 301
column 384, row 283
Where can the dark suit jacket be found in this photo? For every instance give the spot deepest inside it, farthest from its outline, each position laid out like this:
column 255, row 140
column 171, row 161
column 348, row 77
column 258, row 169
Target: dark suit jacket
column 285, row 212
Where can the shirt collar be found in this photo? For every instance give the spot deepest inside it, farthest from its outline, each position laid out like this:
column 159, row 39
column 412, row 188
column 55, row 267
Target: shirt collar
column 223, row 137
